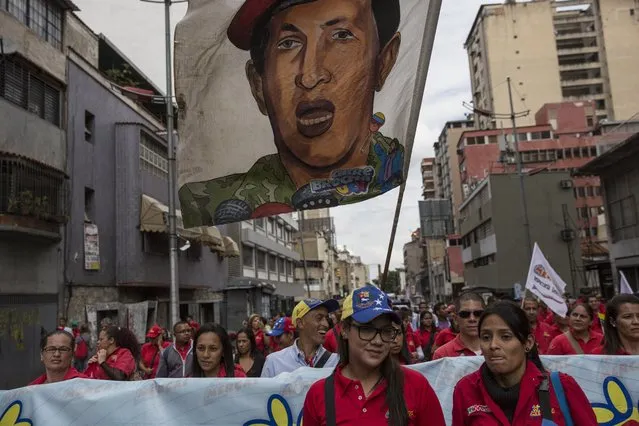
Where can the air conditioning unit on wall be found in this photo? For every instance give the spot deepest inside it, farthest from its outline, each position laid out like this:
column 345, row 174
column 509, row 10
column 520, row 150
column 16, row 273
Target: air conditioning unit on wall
column 567, row 235
column 566, row 184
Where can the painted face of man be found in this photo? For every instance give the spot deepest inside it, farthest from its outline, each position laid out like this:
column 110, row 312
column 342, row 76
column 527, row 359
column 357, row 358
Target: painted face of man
column 322, row 65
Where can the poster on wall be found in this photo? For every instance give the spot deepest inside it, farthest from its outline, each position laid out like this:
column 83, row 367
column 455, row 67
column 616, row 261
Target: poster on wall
column 288, row 105
column 91, row 247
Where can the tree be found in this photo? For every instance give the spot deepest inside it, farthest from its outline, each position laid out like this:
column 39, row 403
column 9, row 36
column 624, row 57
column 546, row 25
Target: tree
column 392, row 284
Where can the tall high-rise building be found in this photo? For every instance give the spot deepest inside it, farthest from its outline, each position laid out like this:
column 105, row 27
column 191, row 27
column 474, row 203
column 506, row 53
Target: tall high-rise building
column 553, row 51
column 446, row 164
column 428, row 178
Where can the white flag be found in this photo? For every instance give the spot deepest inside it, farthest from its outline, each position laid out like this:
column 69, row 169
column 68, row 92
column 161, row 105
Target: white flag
column 546, row 284
column 624, row 286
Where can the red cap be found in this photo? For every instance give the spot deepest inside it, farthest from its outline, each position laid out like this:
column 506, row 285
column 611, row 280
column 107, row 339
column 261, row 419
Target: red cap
column 154, row 332
column 241, row 29
column 194, row 325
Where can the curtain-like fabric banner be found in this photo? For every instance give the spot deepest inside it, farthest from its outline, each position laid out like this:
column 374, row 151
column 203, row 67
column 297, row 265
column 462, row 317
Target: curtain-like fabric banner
column 290, row 105
column 611, row 384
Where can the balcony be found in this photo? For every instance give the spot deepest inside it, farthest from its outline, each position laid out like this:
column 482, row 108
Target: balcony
column 32, row 197
column 580, row 66
column 582, row 82
column 588, row 97
column 572, row 19
column 574, row 36
column 577, row 50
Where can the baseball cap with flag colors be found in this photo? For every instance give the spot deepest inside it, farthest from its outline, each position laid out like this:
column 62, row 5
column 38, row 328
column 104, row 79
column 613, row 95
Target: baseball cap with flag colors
column 367, row 303
column 283, row 325
column 307, row 305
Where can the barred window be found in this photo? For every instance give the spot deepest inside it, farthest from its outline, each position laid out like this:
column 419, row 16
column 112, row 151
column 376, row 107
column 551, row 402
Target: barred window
column 28, row 89
column 42, row 16
column 153, row 156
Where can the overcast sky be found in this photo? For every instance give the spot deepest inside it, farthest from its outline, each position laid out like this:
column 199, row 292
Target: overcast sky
column 137, row 29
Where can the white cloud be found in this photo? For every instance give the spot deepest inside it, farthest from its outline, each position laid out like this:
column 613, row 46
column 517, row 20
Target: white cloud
column 137, row 29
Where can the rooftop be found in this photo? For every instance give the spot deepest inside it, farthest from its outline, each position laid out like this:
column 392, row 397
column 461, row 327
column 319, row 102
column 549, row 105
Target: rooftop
column 626, row 149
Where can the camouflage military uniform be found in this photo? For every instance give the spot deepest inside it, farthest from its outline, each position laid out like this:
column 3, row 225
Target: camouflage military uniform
column 267, row 189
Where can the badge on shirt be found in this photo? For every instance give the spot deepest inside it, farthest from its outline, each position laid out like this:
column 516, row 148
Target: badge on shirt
column 474, row 409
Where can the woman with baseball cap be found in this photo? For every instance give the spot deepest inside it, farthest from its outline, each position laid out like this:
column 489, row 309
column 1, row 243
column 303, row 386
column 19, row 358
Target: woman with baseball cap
column 369, row 386
column 151, row 351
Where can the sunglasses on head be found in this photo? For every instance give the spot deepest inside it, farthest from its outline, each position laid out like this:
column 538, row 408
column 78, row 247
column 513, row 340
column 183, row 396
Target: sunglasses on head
column 467, row 314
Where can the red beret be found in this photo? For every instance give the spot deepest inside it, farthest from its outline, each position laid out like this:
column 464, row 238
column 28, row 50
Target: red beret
column 241, row 29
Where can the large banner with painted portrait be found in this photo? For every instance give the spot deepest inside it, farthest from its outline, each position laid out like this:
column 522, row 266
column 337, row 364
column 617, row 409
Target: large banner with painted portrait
column 610, row 383
column 289, row 105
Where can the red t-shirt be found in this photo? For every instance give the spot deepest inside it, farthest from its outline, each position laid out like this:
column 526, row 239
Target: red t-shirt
column 238, row 371
column 472, row 406
column 120, row 359
column 543, row 336
column 444, row 336
column 330, row 340
column 560, row 345
column 259, row 341
column 273, row 345
column 150, row 355
column 352, row 407
column 72, row 373
column 452, row 349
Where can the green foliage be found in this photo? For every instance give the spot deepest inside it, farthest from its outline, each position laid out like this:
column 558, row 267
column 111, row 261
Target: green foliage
column 392, row 284
column 122, row 76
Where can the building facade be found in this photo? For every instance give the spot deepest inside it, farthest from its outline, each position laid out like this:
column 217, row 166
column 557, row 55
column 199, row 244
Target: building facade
column 553, row 51
column 351, row 272
column 619, row 175
column 447, row 166
column 429, row 189
column 262, row 279
column 318, row 257
column 494, row 241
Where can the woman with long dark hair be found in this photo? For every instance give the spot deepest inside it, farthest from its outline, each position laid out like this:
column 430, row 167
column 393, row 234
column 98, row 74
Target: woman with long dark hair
column 427, row 334
column 213, row 354
column 369, row 386
column 247, row 355
column 399, row 346
column 117, row 357
column 621, row 328
column 257, row 326
column 513, row 379
column 580, row 338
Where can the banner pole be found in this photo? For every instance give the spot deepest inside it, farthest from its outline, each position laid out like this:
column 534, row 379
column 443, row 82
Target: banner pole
column 428, row 40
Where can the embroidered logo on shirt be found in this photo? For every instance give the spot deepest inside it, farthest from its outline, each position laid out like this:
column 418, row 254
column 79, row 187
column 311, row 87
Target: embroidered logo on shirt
column 535, row 411
column 473, row 409
column 411, row 414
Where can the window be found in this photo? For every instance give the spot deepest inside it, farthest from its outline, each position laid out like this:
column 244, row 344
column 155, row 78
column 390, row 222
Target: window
column 261, row 260
column 280, row 231
column 590, row 191
column 568, row 153
column 194, row 252
column 623, row 214
column 259, row 223
column 290, row 268
column 593, row 151
column 560, row 154
column 581, row 192
column 88, row 204
column 545, row 135
column 42, row 16
column 281, row 267
column 247, row 256
column 89, row 126
column 29, row 90
column 271, row 226
column 155, row 243
column 594, row 211
column 583, row 212
column 153, row 156
column 272, row 263
column 597, row 191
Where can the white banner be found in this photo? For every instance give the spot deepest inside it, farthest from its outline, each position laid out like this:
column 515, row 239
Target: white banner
column 609, row 382
column 545, row 283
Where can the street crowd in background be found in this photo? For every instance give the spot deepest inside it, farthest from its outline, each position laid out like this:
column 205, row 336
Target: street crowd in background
column 367, row 342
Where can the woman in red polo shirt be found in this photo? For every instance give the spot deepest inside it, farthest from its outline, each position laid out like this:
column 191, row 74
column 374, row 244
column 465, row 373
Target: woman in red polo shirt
column 118, row 352
column 368, row 386
column 579, row 339
column 621, row 326
column 56, row 353
column 151, row 351
column 427, row 334
column 507, row 388
column 213, row 354
column 255, row 323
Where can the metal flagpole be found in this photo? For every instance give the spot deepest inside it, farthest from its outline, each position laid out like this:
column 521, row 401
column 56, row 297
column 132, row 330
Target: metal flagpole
column 432, row 17
column 173, row 249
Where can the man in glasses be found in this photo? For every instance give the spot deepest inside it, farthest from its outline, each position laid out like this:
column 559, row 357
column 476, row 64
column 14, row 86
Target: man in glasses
column 56, row 353
column 468, row 307
column 310, row 318
column 177, row 360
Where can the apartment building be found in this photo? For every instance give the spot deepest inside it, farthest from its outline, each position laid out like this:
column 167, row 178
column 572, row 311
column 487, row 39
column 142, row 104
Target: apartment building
column 262, row 279
column 351, row 272
column 494, row 242
column 428, row 178
column 553, row 51
column 446, row 164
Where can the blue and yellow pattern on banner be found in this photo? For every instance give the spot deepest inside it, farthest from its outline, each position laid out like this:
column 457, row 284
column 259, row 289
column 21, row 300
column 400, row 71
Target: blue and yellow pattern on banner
column 610, row 383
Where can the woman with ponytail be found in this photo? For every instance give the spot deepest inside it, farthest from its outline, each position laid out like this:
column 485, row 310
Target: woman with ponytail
column 369, row 386
column 512, row 381
column 117, row 357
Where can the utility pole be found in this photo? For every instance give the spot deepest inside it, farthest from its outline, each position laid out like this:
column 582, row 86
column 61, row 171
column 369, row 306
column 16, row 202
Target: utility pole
column 308, row 285
column 173, row 249
column 524, row 205
column 571, row 254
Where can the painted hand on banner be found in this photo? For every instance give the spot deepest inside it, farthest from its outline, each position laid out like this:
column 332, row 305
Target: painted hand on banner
column 618, row 410
column 12, row 416
column 279, row 414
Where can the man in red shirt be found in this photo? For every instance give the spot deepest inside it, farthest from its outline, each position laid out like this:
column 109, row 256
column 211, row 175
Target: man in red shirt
column 469, row 307
column 596, row 305
column 282, row 335
column 56, row 353
column 541, row 330
column 330, row 339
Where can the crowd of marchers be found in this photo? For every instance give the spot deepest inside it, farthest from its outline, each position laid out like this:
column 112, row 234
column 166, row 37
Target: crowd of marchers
column 368, row 343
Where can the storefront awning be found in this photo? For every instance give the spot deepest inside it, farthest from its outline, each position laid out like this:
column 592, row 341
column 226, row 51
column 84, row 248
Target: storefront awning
column 231, row 248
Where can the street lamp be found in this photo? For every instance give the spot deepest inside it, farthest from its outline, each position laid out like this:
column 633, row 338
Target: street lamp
column 173, row 248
